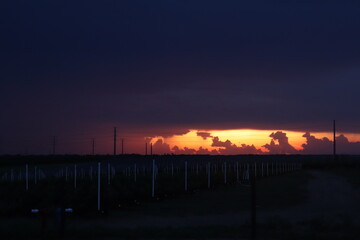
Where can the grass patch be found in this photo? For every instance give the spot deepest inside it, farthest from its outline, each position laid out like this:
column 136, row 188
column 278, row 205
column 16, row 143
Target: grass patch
column 273, row 193
column 283, row 191
column 352, row 175
column 277, row 192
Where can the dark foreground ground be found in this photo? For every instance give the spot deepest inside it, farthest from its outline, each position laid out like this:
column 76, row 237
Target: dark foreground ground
column 308, row 204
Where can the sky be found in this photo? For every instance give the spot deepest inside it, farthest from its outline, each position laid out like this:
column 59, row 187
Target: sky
column 253, row 76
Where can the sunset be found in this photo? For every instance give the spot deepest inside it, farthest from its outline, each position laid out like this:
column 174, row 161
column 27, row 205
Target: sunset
column 179, row 119
column 173, row 67
column 249, row 141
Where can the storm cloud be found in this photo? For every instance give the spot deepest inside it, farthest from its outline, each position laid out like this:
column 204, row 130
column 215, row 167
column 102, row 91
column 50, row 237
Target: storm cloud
column 159, row 68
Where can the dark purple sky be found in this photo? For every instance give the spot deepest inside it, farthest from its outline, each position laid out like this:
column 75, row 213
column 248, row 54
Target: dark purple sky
column 77, row 68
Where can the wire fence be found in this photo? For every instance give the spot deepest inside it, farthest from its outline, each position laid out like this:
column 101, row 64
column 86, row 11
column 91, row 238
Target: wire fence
column 105, row 185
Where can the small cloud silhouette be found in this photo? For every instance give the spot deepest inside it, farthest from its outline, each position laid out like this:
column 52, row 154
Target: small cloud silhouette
column 344, row 146
column 160, row 147
column 186, row 150
column 205, row 151
column 315, row 145
column 282, row 146
column 204, row 135
column 228, row 148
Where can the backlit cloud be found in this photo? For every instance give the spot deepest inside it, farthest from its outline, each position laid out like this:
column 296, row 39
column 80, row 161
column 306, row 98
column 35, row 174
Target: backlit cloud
column 280, row 144
column 160, row 147
column 315, row 145
column 324, row 145
column 204, row 135
column 228, row 148
column 346, row 147
column 187, row 151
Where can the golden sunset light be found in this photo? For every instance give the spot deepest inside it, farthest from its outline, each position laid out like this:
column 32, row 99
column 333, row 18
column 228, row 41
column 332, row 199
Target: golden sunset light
column 255, row 137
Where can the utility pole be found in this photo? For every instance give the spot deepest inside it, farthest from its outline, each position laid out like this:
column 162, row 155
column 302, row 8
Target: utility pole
column 93, row 146
column 253, row 205
column 334, row 142
column 99, row 187
column 114, row 140
column 145, row 148
column 122, row 146
column 54, row 145
column 151, row 153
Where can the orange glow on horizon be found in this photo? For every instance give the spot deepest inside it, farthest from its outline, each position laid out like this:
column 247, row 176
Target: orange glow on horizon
column 255, row 137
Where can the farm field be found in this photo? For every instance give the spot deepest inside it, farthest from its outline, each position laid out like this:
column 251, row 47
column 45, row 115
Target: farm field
column 291, row 205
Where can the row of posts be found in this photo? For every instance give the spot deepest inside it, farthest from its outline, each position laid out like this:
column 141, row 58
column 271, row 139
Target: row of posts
column 264, row 169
